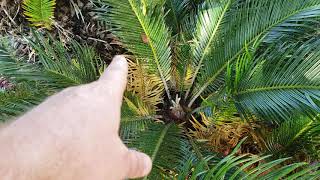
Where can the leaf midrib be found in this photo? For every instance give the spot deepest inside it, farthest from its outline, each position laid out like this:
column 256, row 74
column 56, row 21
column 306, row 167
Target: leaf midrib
column 261, row 89
column 41, row 11
column 160, row 140
column 156, row 58
column 208, row 45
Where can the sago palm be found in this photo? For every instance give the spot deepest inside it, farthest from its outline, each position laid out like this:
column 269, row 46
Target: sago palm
column 184, row 53
column 185, row 58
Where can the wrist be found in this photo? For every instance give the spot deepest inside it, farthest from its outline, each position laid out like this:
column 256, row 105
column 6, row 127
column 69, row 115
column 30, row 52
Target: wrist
column 24, row 153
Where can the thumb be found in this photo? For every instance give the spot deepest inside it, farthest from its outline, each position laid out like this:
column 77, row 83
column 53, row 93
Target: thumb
column 114, row 77
column 138, row 164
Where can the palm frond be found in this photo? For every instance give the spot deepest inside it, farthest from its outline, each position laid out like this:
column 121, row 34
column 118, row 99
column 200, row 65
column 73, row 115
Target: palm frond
column 166, row 143
column 283, row 82
column 67, row 67
column 11, row 66
column 21, row 99
column 238, row 70
column 209, row 25
column 294, row 138
column 40, row 12
column 163, row 144
column 135, row 116
column 144, row 33
column 221, row 133
column 147, row 86
column 181, row 69
column 245, row 167
column 177, row 10
column 248, row 22
column 57, row 68
column 26, row 91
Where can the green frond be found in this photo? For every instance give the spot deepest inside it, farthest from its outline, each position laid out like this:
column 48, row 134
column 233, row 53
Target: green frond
column 283, row 136
column 238, row 70
column 177, row 11
column 15, row 102
column 301, row 31
column 66, row 67
column 135, row 116
column 26, row 92
column 294, row 138
column 11, row 66
column 169, row 149
column 246, row 23
column 163, row 144
column 248, row 167
column 39, row 12
column 143, row 31
column 57, row 68
column 283, row 82
column 210, row 19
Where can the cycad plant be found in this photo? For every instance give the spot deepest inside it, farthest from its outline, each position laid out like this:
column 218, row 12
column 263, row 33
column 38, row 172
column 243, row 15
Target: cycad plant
column 261, row 56
column 186, row 57
column 196, row 54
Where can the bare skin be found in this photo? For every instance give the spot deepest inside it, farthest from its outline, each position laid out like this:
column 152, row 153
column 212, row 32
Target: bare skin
column 73, row 135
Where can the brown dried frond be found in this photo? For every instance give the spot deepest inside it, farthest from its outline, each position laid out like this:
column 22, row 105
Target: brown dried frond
column 222, row 136
column 147, row 86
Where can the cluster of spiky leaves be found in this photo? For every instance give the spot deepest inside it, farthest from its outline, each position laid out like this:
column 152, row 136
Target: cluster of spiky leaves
column 191, row 45
column 283, row 82
column 186, row 49
column 147, row 86
column 222, row 32
column 252, row 167
column 299, row 139
column 55, row 70
column 222, row 135
column 40, row 12
column 174, row 154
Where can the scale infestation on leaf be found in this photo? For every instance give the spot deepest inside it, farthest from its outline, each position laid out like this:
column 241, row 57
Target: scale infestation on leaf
column 144, row 38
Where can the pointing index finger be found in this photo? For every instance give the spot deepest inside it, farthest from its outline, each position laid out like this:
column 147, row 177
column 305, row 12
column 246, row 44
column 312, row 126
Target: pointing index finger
column 115, row 76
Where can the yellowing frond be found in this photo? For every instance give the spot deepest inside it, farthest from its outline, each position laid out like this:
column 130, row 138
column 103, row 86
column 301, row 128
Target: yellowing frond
column 186, row 81
column 222, row 136
column 148, row 87
column 39, row 12
column 138, row 107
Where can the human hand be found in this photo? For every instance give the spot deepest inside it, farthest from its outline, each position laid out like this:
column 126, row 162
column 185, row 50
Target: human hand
column 74, row 135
